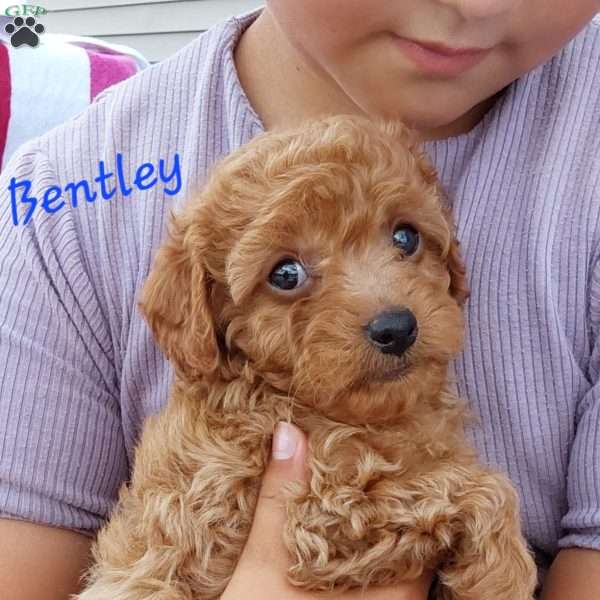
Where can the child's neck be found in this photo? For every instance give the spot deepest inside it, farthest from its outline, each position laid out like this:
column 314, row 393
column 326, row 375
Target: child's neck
column 278, row 83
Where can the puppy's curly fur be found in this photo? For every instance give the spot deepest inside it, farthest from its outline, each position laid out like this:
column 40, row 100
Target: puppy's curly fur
column 394, row 487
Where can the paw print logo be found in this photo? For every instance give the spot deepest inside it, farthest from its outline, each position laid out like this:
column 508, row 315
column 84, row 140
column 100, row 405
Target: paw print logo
column 24, row 31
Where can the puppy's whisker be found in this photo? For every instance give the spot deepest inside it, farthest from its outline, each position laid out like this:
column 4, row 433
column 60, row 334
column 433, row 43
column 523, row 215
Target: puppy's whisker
column 432, row 312
column 294, row 387
column 303, row 384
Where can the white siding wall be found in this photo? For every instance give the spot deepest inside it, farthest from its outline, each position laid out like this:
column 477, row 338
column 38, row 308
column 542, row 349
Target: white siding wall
column 156, row 28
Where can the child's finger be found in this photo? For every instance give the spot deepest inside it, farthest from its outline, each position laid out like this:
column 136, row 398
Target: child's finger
column 265, row 545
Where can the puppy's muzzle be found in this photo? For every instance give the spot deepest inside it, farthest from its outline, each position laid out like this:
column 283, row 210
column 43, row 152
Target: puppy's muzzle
column 392, row 332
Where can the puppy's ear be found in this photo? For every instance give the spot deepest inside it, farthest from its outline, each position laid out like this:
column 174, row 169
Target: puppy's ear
column 455, row 265
column 458, row 280
column 175, row 301
column 412, row 140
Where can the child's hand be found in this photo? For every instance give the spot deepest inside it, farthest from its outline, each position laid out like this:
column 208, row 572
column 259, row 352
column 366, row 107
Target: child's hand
column 261, row 571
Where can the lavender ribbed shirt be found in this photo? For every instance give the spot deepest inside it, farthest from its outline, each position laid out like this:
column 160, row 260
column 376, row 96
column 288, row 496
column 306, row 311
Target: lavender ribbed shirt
column 80, row 371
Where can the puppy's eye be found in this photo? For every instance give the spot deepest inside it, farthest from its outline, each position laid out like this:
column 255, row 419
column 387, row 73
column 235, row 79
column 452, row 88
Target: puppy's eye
column 288, row 274
column 406, row 238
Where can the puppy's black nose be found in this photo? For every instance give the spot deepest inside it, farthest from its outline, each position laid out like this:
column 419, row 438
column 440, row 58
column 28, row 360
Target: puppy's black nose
column 393, row 332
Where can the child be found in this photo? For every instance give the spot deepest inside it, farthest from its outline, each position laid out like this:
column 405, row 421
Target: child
column 506, row 92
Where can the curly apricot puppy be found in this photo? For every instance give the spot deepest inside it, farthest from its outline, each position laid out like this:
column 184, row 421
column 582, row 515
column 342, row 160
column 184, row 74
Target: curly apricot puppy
column 316, row 278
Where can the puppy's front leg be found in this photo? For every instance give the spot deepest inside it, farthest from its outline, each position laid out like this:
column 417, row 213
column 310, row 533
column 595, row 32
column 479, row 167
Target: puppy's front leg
column 491, row 561
column 179, row 528
column 468, row 517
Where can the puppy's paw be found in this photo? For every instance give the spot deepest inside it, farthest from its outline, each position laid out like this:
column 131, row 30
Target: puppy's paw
column 356, row 550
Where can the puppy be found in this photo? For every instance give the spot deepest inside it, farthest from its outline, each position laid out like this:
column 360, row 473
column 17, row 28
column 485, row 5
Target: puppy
column 316, row 278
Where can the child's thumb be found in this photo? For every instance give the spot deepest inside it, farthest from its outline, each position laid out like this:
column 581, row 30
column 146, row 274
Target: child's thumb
column 288, row 463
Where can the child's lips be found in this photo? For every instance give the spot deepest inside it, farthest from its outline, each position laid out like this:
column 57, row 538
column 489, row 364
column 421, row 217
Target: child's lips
column 437, row 59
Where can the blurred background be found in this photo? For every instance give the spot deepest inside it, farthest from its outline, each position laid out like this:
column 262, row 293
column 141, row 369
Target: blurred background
column 155, row 28
column 86, row 47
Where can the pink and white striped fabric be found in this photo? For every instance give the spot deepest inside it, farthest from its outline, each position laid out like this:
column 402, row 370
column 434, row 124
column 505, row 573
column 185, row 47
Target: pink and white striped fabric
column 43, row 86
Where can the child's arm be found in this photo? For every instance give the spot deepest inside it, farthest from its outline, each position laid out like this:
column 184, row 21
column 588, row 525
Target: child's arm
column 575, row 572
column 40, row 562
column 574, row 575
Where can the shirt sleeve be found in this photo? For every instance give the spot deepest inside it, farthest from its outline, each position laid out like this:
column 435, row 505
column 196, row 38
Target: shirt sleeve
column 62, row 452
column 581, row 523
